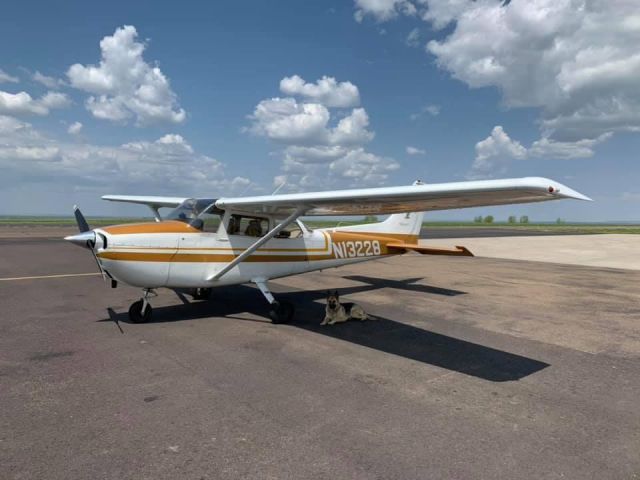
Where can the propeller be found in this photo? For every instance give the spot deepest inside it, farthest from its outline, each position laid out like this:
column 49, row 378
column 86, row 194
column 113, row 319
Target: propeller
column 83, row 226
column 86, row 238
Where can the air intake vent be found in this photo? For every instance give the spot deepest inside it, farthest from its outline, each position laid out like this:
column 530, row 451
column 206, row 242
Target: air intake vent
column 104, row 241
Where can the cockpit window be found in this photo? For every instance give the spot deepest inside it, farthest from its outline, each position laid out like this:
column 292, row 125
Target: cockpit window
column 211, row 219
column 189, row 209
column 200, row 213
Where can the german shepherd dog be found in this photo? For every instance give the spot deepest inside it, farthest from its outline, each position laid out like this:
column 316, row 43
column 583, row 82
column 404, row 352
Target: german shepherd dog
column 337, row 312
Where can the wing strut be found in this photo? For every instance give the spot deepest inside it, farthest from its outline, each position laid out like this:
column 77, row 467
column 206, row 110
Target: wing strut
column 249, row 251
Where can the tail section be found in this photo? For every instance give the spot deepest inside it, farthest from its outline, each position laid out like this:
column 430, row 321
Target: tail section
column 400, row 225
column 405, row 225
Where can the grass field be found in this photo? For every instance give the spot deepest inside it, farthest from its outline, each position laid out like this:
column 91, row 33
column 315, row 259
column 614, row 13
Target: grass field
column 568, row 227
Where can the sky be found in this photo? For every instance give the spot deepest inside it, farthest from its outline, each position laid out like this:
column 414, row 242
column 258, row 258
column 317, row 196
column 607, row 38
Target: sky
column 232, row 98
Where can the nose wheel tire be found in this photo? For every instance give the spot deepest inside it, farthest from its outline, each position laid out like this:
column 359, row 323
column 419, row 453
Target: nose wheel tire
column 135, row 312
column 201, row 293
column 281, row 312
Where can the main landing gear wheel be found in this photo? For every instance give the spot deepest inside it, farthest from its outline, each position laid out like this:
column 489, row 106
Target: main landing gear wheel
column 135, row 312
column 201, row 293
column 281, row 312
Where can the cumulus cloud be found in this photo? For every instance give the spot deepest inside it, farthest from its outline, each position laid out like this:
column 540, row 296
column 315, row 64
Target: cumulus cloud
column 549, row 148
column 74, row 128
column 124, row 86
column 441, row 13
column 352, row 129
column 10, row 125
column 383, row 10
column 167, row 165
column 577, row 61
column 28, row 153
column 49, row 82
column 363, row 167
column 495, row 153
column 326, row 91
column 415, row 151
column 5, row 77
column 287, row 121
column 319, row 142
column 22, row 103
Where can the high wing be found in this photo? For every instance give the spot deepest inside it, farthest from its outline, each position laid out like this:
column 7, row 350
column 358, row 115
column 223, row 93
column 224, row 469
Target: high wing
column 158, row 202
column 154, row 203
column 414, row 198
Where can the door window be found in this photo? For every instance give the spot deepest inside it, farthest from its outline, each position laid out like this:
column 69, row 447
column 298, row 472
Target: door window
column 248, row 226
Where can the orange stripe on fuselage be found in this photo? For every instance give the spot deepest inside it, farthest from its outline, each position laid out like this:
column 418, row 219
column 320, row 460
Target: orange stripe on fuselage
column 205, row 257
column 342, row 236
column 167, row 226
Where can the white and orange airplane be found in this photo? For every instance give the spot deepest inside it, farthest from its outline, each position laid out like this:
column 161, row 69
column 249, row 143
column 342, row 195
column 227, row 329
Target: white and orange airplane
column 205, row 243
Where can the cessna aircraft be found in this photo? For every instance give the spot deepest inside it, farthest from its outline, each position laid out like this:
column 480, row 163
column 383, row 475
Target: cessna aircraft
column 205, row 243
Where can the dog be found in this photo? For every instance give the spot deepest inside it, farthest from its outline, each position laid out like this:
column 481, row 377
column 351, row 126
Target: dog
column 337, row 312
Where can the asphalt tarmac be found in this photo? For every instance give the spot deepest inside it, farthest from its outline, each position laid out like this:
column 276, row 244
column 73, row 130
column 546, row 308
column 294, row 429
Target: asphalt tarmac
column 484, row 232
column 475, row 368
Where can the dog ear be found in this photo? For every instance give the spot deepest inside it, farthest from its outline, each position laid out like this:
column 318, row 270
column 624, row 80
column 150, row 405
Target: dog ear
column 337, row 294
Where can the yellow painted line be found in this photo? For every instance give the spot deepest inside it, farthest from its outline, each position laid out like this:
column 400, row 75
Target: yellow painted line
column 39, row 277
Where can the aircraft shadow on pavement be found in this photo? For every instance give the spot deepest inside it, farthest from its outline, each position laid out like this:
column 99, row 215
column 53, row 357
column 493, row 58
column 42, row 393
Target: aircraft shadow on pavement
column 409, row 284
column 384, row 334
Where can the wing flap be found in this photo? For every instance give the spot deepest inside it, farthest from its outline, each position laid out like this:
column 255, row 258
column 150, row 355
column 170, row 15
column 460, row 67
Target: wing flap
column 414, row 198
column 458, row 250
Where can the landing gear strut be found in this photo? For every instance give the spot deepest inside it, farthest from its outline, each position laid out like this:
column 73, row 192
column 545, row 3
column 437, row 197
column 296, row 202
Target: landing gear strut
column 140, row 311
column 281, row 311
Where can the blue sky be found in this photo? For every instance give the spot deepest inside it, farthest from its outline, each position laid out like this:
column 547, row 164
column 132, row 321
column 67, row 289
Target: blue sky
column 227, row 98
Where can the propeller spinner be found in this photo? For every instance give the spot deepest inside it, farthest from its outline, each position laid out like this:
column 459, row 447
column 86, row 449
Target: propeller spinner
column 86, row 238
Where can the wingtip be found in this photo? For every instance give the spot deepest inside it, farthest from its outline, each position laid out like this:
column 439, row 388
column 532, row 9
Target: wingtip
column 570, row 193
column 585, row 198
column 562, row 191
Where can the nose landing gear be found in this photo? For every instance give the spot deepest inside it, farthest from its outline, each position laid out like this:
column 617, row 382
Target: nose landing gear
column 141, row 311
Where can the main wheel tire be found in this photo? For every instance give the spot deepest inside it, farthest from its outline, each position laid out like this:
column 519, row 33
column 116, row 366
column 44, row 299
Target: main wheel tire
column 201, row 293
column 281, row 312
column 136, row 315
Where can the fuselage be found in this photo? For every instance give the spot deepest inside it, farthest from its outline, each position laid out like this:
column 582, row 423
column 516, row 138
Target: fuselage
column 174, row 254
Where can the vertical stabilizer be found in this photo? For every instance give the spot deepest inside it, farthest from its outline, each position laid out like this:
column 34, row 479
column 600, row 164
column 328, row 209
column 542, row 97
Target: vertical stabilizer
column 405, row 223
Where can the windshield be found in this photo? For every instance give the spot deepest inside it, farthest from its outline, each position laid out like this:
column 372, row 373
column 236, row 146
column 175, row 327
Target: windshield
column 190, row 209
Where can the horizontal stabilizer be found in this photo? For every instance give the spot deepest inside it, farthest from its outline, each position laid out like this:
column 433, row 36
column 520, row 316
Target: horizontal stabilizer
column 405, row 247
